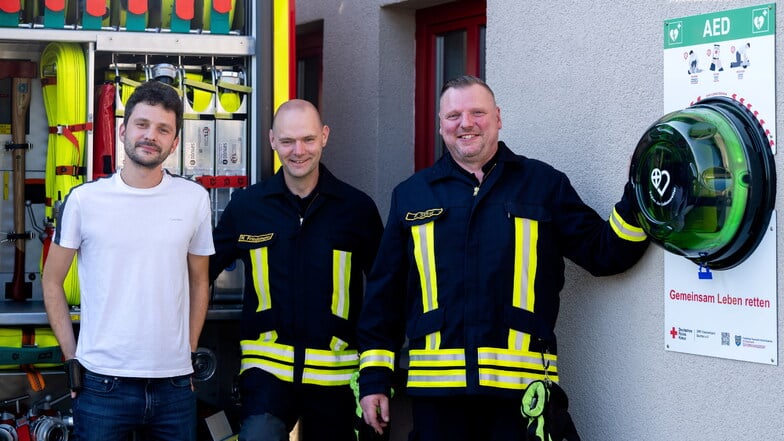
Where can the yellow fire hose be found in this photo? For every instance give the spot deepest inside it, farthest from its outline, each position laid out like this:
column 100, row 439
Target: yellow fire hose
column 64, row 84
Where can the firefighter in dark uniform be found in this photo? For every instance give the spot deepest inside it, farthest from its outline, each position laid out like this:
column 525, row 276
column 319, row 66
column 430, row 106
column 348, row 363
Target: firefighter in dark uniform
column 306, row 240
column 470, row 268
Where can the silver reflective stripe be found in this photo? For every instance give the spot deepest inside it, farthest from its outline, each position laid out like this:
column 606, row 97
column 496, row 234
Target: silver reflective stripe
column 341, row 278
column 260, row 270
column 526, row 237
column 279, row 370
column 624, row 230
column 314, row 357
column 427, row 358
column 326, row 377
column 377, row 357
column 272, row 350
column 436, row 378
column 507, row 380
column 505, row 357
column 517, row 340
column 425, row 258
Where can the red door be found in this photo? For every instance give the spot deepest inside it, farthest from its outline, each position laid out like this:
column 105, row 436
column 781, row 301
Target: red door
column 450, row 41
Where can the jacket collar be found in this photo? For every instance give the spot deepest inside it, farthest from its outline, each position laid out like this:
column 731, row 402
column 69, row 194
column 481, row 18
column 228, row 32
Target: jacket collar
column 447, row 167
column 327, row 184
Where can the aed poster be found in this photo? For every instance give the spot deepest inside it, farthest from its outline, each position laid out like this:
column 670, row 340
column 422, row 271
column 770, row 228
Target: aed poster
column 723, row 313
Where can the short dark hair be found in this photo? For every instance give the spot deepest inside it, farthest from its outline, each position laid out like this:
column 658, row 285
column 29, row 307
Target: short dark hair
column 465, row 81
column 156, row 93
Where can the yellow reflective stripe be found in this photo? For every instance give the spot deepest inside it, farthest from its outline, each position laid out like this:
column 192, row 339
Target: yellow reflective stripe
column 260, row 271
column 276, row 351
column 268, row 336
column 501, row 357
column 280, row 370
column 424, row 253
column 433, row 341
column 277, row 359
column 440, row 358
column 526, row 237
column 377, row 358
column 519, row 341
column 625, row 230
column 341, row 278
column 324, row 377
column 525, row 262
column 440, row 368
column 337, row 344
column 511, row 369
column 320, row 357
column 436, row 378
column 510, row 379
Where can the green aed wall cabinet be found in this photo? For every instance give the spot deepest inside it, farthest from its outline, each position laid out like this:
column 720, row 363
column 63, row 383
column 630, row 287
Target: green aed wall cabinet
column 704, row 182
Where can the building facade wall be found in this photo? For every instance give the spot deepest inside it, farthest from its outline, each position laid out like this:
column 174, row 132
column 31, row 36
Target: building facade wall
column 578, row 83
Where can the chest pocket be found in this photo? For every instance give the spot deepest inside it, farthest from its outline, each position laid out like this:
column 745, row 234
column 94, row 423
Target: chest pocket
column 257, row 247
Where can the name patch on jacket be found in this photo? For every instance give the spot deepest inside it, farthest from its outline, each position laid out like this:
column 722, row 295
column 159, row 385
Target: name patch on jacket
column 419, row 215
column 255, row 238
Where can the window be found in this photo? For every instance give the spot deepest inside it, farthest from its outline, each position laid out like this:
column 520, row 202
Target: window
column 450, row 41
column 310, row 47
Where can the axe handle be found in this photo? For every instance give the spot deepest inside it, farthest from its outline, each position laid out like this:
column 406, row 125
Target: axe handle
column 20, row 104
column 20, row 97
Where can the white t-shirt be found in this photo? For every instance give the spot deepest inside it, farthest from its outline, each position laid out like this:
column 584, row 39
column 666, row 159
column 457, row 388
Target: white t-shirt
column 133, row 272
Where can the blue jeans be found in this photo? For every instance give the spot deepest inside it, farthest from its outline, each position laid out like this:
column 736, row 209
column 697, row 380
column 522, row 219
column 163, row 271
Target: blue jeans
column 112, row 408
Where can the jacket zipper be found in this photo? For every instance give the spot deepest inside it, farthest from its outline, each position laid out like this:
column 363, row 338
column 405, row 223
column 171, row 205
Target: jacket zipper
column 302, row 217
column 484, row 178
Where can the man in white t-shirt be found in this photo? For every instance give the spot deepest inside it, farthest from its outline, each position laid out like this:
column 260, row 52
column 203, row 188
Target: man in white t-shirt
column 142, row 238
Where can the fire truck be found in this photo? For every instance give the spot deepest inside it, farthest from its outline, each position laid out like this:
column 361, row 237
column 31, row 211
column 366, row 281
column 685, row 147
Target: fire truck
column 66, row 69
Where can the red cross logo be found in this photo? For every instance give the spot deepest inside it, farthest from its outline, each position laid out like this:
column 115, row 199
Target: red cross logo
column 673, row 332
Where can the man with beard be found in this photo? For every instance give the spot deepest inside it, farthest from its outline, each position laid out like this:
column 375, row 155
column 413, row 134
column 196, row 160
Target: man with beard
column 142, row 238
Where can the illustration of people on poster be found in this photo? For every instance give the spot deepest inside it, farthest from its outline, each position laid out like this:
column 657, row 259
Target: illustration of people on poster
column 732, row 313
